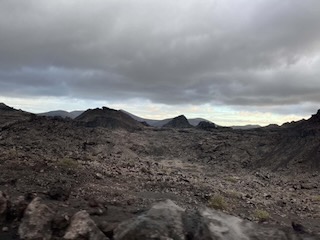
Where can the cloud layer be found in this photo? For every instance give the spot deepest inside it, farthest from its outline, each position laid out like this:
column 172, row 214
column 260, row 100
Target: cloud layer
column 237, row 53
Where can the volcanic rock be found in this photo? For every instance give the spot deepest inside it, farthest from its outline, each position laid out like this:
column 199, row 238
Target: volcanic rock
column 162, row 221
column 83, row 227
column 36, row 222
column 166, row 220
column 108, row 118
column 178, row 122
column 206, row 125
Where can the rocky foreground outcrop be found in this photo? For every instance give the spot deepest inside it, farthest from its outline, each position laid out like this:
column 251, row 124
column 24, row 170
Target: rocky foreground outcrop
column 164, row 220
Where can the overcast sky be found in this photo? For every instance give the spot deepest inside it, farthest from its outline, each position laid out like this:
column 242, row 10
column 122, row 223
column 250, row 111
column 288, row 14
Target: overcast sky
column 230, row 61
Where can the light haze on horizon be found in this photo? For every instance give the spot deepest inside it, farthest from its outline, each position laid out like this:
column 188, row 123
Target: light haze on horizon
column 231, row 62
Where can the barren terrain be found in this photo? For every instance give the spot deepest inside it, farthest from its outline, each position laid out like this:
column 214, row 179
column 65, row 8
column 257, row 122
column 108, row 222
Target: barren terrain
column 115, row 174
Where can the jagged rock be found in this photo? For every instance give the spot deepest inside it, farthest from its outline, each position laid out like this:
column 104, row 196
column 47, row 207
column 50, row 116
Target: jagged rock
column 215, row 225
column 166, row 220
column 4, row 204
column 36, row 222
column 162, row 221
column 206, row 125
column 83, row 227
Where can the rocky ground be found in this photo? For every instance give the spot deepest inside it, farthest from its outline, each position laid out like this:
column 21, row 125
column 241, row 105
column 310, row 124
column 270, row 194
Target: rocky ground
column 117, row 174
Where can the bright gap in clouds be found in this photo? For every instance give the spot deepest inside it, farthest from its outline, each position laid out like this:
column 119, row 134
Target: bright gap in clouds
column 221, row 115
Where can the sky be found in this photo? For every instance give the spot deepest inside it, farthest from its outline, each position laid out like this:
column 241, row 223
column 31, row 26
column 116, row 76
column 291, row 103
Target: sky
column 233, row 62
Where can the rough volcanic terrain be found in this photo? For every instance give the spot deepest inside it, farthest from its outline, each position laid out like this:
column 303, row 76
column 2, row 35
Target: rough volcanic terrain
column 265, row 175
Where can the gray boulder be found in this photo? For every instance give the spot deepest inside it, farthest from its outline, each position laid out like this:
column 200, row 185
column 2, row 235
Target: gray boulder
column 36, row 221
column 166, row 220
column 215, row 225
column 82, row 227
column 162, row 221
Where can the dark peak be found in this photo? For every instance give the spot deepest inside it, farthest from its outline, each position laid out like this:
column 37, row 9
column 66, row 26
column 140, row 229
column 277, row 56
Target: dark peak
column 108, row 109
column 5, row 107
column 205, row 125
column 180, row 117
column 317, row 114
column 178, row 122
column 108, row 118
column 315, row 117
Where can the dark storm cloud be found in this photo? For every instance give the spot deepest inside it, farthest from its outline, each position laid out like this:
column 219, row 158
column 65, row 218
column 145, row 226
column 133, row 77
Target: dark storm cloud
column 229, row 52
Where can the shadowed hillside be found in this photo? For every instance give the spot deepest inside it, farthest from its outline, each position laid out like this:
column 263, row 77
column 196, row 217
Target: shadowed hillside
column 108, row 118
column 9, row 115
column 178, row 122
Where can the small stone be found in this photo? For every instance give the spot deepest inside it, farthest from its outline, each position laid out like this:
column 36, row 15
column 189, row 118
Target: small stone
column 267, row 196
column 5, row 229
column 308, row 186
column 248, row 196
column 99, row 176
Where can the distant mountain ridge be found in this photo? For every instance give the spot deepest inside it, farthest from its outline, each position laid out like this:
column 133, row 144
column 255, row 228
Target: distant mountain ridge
column 160, row 123
column 150, row 122
column 246, row 127
column 62, row 113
